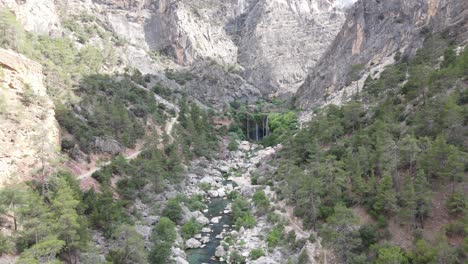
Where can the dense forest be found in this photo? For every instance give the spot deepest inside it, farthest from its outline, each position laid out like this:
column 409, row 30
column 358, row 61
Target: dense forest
column 390, row 150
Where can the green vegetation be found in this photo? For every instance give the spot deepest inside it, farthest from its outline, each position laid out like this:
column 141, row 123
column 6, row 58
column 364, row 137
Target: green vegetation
column 48, row 223
column 109, row 108
column 254, row 122
column 275, row 237
column 181, row 77
column 261, row 202
column 388, row 151
column 241, row 213
column 282, row 126
column 129, row 246
column 164, row 235
column 190, row 228
column 197, row 135
column 173, row 210
column 256, row 253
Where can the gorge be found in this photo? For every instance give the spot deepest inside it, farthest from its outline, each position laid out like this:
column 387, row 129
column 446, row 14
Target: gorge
column 239, row 131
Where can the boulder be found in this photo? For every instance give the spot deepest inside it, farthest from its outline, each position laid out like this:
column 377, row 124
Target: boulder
column 213, row 193
column 199, row 216
column 107, row 145
column 77, row 154
column 192, row 243
column 207, row 179
column 223, row 169
column 244, row 146
column 206, row 230
column 180, row 260
column 221, row 192
column 264, row 260
column 220, row 252
column 205, row 239
column 216, row 219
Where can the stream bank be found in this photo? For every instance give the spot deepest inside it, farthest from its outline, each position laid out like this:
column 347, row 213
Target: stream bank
column 233, row 173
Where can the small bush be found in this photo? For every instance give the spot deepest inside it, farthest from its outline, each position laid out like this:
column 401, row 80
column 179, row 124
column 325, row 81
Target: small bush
column 190, row 228
column 173, row 210
column 233, row 145
column 256, row 253
column 274, row 237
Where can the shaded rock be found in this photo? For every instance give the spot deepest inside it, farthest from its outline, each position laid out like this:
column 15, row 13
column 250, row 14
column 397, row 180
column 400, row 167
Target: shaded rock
column 107, row 145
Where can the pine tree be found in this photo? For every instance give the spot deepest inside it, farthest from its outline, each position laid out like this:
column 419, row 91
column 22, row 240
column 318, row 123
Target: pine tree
column 36, row 220
column 408, row 202
column 128, row 246
column 385, row 200
column 423, row 197
column 409, row 152
column 45, row 251
column 10, row 199
column 71, row 228
column 456, row 203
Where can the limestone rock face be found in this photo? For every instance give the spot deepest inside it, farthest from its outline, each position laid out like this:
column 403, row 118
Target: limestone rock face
column 191, row 29
column 282, row 39
column 373, row 32
column 40, row 17
column 29, row 135
column 275, row 42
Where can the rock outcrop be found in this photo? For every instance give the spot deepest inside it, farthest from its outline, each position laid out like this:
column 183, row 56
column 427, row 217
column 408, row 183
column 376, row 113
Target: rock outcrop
column 373, row 33
column 29, row 135
column 271, row 43
column 40, row 17
column 281, row 40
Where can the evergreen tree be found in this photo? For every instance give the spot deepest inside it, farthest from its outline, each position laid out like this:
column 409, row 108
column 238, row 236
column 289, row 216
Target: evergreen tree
column 408, row 202
column 422, row 197
column 385, row 200
column 409, row 152
column 163, row 237
column 456, row 202
column 71, row 228
column 128, row 247
column 10, row 199
column 45, row 251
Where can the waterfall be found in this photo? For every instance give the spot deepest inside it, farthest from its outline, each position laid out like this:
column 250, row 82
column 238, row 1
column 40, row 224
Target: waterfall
column 256, row 131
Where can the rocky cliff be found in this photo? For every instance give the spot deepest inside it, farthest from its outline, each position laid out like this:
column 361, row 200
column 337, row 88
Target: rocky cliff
column 373, row 33
column 272, row 44
column 29, row 135
column 275, row 42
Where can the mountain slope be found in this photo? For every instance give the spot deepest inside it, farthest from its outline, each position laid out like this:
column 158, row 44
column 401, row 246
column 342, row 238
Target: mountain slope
column 374, row 32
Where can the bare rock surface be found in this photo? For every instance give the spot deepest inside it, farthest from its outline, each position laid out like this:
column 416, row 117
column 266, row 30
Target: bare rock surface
column 29, row 135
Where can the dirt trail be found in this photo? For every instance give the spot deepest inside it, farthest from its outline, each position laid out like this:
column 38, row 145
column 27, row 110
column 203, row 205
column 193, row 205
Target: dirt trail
column 168, row 128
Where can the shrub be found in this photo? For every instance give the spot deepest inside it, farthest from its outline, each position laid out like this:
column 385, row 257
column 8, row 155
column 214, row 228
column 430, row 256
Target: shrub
column 241, row 213
column 256, row 253
column 233, row 145
column 261, row 201
column 173, row 210
column 236, row 258
column 274, row 237
column 191, row 228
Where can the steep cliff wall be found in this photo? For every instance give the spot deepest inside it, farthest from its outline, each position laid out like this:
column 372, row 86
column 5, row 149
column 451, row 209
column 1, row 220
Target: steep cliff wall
column 373, row 33
column 281, row 40
column 275, row 42
column 29, row 136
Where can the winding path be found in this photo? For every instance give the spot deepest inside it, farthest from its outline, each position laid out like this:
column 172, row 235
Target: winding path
column 168, row 128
